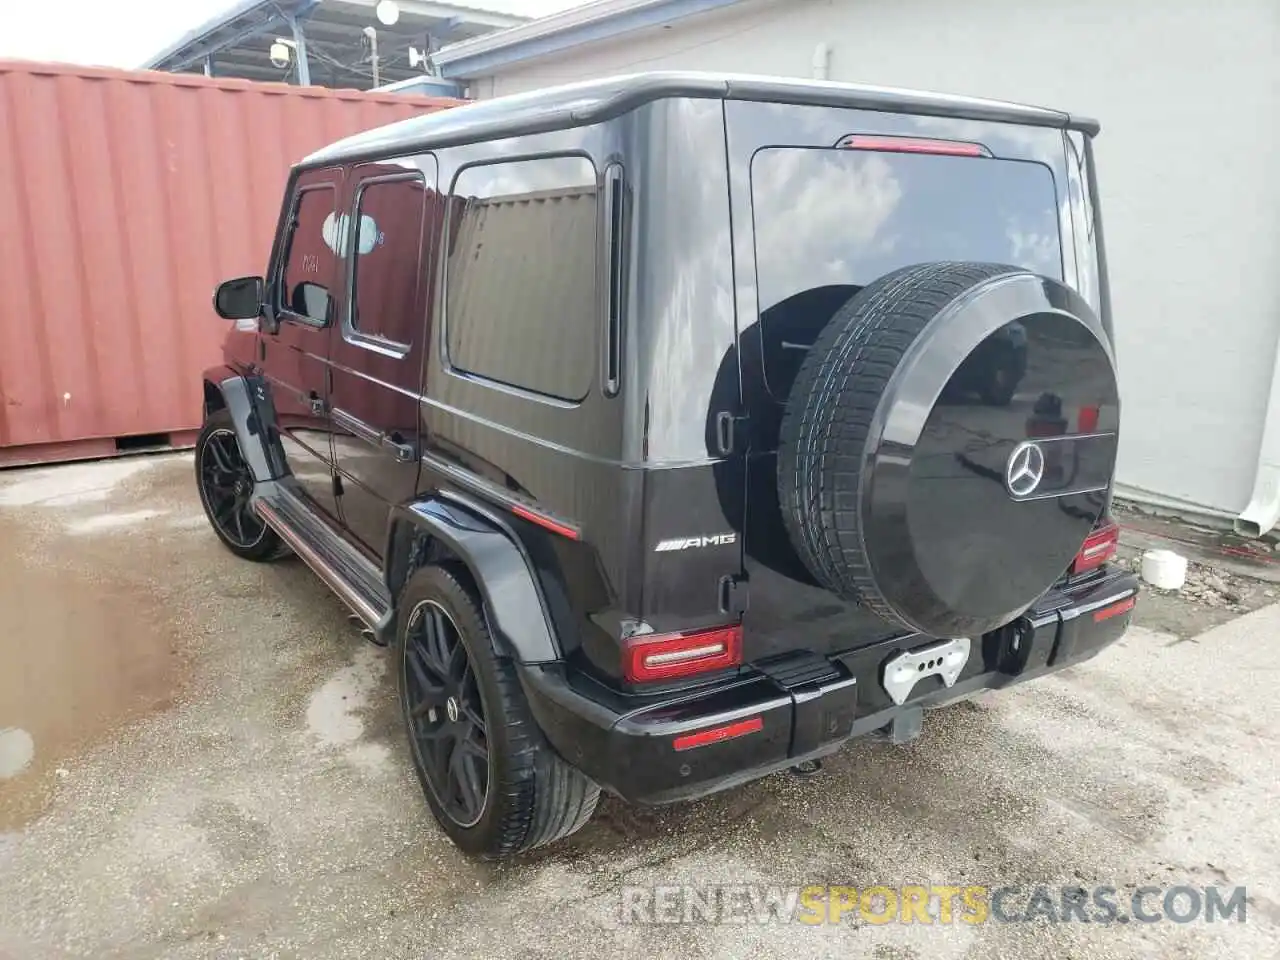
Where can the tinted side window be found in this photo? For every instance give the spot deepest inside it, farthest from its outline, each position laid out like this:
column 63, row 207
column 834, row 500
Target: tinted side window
column 521, row 303
column 307, row 269
column 828, row 222
column 389, row 278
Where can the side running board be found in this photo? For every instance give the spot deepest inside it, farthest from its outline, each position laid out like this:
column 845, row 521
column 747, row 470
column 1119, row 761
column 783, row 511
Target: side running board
column 347, row 572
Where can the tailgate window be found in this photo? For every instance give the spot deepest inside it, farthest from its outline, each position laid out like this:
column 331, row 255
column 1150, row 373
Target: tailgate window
column 829, row 221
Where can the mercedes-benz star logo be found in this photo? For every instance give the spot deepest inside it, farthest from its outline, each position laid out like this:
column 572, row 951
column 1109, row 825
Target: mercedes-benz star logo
column 1025, row 469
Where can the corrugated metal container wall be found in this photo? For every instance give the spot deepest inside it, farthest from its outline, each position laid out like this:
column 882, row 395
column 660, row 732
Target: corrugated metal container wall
column 126, row 198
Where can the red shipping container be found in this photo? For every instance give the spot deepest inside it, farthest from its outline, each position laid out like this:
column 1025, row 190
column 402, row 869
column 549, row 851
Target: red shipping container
column 126, row 197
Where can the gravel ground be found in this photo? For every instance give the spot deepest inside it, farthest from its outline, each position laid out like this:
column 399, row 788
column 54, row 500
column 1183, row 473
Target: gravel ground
column 202, row 760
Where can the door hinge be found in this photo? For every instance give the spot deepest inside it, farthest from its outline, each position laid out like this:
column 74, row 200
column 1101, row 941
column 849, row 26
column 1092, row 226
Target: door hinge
column 732, row 435
column 733, row 595
column 337, row 485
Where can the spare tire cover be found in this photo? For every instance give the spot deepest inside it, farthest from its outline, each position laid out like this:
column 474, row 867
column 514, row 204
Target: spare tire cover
column 948, row 444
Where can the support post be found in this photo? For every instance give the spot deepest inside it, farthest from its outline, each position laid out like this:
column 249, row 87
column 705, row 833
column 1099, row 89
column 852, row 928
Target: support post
column 300, row 48
column 372, row 36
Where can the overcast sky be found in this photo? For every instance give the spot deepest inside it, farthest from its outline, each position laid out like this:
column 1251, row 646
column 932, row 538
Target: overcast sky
column 124, row 33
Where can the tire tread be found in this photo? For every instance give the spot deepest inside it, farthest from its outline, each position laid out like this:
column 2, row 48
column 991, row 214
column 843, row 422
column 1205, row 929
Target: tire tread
column 540, row 797
column 832, row 406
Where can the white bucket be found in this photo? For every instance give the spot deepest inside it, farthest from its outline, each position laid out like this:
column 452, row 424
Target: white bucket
column 1164, row 569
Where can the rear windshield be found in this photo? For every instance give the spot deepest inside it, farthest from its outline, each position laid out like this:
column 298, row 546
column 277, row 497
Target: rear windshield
column 828, row 222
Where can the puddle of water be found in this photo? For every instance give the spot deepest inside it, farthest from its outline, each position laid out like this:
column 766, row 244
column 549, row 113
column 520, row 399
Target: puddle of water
column 76, row 659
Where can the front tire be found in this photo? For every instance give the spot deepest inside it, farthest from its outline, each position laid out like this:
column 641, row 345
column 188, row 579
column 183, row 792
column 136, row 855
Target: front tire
column 490, row 778
column 226, row 483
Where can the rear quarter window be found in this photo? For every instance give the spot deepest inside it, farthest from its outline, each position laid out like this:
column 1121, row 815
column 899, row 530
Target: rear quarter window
column 521, row 276
column 830, row 221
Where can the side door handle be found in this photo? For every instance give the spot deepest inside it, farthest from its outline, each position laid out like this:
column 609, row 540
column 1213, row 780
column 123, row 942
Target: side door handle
column 317, row 403
column 404, row 452
column 357, row 427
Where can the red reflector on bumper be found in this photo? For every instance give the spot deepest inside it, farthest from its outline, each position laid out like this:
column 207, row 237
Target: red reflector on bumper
column 730, row 730
column 1124, row 606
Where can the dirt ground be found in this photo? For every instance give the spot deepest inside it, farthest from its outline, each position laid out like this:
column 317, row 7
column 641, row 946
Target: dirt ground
column 199, row 757
column 1226, row 575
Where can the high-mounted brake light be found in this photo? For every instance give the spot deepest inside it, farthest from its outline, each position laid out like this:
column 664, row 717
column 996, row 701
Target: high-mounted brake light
column 946, row 148
column 666, row 656
column 1098, row 548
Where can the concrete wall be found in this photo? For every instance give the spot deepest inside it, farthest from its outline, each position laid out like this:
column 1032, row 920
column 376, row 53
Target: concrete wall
column 1189, row 97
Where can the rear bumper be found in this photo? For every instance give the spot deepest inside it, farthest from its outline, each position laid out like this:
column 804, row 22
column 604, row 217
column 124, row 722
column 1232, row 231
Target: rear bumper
column 807, row 705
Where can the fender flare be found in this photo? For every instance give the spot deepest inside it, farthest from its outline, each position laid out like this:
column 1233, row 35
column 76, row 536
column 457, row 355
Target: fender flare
column 247, row 400
column 513, row 601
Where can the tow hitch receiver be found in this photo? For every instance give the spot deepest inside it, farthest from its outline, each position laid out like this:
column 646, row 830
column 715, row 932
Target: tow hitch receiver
column 945, row 659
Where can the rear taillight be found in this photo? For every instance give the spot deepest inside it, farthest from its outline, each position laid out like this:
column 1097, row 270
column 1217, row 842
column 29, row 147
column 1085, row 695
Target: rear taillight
column 946, row 148
column 1087, row 421
column 666, row 656
column 1097, row 549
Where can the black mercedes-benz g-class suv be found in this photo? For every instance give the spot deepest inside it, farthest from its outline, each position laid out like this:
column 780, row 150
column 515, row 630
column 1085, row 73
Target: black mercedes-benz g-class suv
column 675, row 429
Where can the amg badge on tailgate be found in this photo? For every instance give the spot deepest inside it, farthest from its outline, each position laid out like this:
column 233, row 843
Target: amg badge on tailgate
column 693, row 543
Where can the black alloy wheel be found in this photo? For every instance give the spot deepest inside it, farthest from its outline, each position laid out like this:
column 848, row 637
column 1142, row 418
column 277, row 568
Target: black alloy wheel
column 490, row 778
column 226, row 488
column 445, row 714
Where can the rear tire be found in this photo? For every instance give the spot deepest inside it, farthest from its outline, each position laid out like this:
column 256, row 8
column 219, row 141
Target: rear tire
column 531, row 796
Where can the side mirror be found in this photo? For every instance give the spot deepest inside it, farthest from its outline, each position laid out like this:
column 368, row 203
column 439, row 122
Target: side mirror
column 239, row 299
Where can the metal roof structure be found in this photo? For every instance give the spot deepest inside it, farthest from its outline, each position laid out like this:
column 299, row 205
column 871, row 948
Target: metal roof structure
column 326, row 40
column 586, row 23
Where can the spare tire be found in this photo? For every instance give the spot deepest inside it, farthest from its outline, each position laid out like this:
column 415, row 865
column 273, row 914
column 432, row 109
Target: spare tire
column 903, row 490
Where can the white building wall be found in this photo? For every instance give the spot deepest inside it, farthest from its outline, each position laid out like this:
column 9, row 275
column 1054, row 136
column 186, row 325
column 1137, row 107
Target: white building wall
column 1189, row 97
